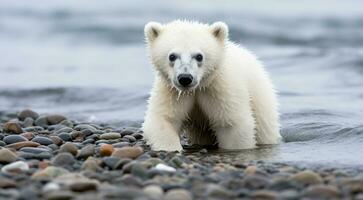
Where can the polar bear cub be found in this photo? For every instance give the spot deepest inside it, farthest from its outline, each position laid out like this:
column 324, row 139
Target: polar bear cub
column 208, row 88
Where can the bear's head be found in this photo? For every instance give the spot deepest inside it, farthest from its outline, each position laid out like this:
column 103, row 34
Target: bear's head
column 186, row 54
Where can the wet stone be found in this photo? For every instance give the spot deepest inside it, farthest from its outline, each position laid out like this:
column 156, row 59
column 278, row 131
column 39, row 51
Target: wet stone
column 56, row 140
column 63, row 159
column 85, row 126
column 28, row 113
column 64, row 129
column 322, row 192
column 38, row 156
column 42, row 140
column 130, row 138
column 34, row 150
column 41, row 121
column 87, row 151
column 55, row 119
column 12, row 127
column 28, row 135
column 65, row 136
column 264, row 194
column 178, row 194
column 307, row 177
column 82, row 186
column 28, row 122
column 111, row 162
column 110, row 136
column 78, row 136
column 11, row 139
column 60, row 195
column 7, row 156
column 128, row 152
column 20, row 145
column 70, row 148
column 255, row 182
column 106, row 149
column 34, row 129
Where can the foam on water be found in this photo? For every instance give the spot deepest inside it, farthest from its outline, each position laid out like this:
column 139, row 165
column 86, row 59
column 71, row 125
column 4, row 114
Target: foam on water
column 87, row 60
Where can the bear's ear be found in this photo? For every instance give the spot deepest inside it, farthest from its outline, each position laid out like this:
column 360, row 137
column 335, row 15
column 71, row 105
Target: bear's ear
column 152, row 30
column 219, row 30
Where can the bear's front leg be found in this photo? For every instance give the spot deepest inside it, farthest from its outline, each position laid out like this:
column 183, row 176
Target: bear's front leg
column 161, row 134
column 236, row 137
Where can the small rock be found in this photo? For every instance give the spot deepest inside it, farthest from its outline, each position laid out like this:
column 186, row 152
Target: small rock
column 7, row 156
column 20, row 145
column 154, row 191
column 42, row 140
column 56, row 140
column 63, row 159
column 139, row 170
column 78, row 136
column 49, row 172
column 82, row 186
column 28, row 122
column 87, row 151
column 64, row 130
column 130, row 138
column 322, row 192
column 91, row 164
column 307, row 177
column 81, row 127
column 128, row 152
column 250, row 170
column 10, row 139
column 264, row 194
column 219, row 192
column 41, row 121
column 12, row 127
column 15, row 167
column 28, row 113
column 163, row 167
column 178, row 194
column 70, row 148
column 255, row 182
column 60, row 195
column 55, row 119
column 7, row 183
column 34, row 150
column 28, row 135
column 65, row 136
column 110, row 162
column 49, row 187
column 121, row 144
column 110, row 136
column 106, row 149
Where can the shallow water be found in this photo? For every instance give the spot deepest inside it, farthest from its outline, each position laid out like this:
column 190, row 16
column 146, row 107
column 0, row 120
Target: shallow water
column 87, row 60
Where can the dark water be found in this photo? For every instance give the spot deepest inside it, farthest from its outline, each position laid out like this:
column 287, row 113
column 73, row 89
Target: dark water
column 86, row 59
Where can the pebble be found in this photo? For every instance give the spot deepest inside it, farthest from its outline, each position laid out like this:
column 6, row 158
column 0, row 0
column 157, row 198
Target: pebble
column 34, row 150
column 65, row 136
column 78, row 136
column 55, row 119
column 15, row 167
column 42, row 140
column 60, row 195
column 130, row 138
column 56, row 140
column 50, row 172
column 106, row 149
column 41, row 121
column 307, row 177
column 28, row 135
column 7, row 183
column 250, row 170
column 11, row 139
column 51, row 186
column 154, row 191
column 63, row 159
column 91, row 164
column 81, row 127
column 178, row 194
column 255, row 182
column 70, row 148
column 28, row 113
column 219, row 192
column 28, row 122
column 63, row 130
column 322, row 192
column 128, row 152
column 82, row 186
column 86, row 151
column 110, row 136
column 20, row 145
column 163, row 167
column 12, row 127
column 7, row 156
column 121, row 144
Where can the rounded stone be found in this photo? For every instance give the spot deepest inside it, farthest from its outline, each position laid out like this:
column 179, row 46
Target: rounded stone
column 41, row 121
column 130, row 138
column 12, row 127
column 42, row 140
column 28, row 113
column 28, row 122
column 255, row 182
column 63, row 159
column 250, row 170
column 82, row 186
column 110, row 136
column 307, row 177
column 106, row 149
column 28, row 135
column 11, row 139
column 34, row 150
column 20, row 145
column 87, row 151
column 7, row 156
column 70, row 148
column 65, row 136
column 56, row 140
column 128, row 152
column 91, row 164
column 49, row 172
column 178, row 194
column 322, row 192
column 264, row 194
column 15, row 167
column 78, row 136
column 55, row 119
column 154, row 191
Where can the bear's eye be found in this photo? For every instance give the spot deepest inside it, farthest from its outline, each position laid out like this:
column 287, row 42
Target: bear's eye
column 172, row 57
column 199, row 57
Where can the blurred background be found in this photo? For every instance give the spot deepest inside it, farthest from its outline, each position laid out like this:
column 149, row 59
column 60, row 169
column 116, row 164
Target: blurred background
column 86, row 59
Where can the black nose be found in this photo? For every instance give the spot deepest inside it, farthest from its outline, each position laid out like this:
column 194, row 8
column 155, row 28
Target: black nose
column 185, row 79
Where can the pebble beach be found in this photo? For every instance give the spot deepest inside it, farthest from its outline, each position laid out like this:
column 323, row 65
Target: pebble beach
column 48, row 156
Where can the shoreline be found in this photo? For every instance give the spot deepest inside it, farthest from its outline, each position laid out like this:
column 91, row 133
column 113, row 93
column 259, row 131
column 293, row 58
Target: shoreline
column 53, row 157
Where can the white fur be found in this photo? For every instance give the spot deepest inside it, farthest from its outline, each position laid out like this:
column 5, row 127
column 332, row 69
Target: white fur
column 233, row 104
